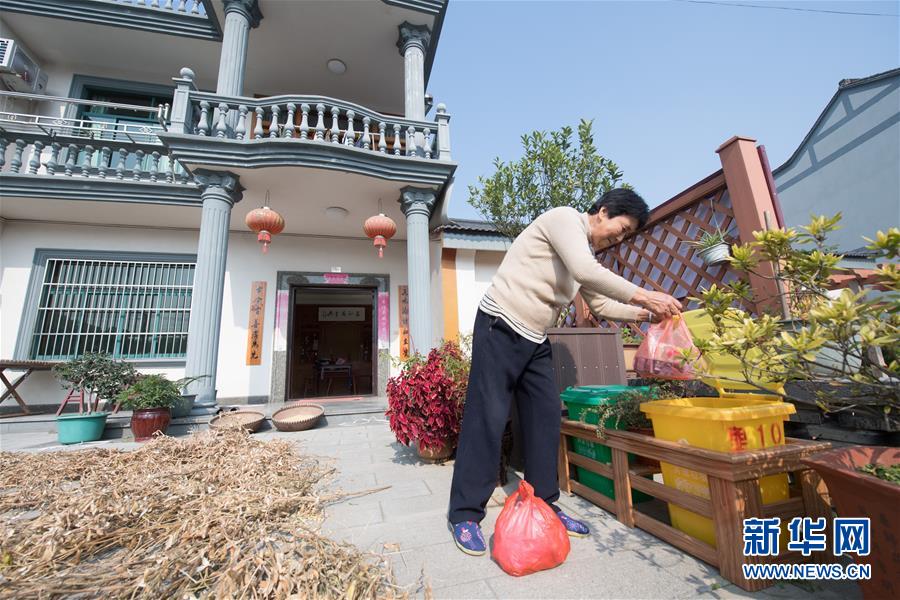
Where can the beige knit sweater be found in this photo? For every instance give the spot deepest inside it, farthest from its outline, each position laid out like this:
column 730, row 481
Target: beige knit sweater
column 545, row 267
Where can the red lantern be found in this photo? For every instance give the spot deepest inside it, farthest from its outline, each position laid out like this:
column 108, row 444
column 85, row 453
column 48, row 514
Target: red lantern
column 380, row 228
column 266, row 223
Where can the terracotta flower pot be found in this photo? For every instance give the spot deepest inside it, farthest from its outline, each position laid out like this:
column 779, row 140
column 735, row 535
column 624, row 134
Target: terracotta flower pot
column 434, row 454
column 857, row 494
column 147, row 421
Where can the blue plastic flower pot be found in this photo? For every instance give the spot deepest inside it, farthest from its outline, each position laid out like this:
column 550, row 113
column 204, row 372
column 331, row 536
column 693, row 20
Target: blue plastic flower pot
column 75, row 429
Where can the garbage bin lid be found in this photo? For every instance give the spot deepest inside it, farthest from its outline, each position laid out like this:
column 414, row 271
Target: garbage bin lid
column 596, row 395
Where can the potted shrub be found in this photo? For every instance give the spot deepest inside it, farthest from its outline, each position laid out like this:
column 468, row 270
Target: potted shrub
column 625, row 413
column 712, row 247
column 425, row 401
column 150, row 399
column 864, row 481
column 846, row 346
column 630, row 343
column 100, row 379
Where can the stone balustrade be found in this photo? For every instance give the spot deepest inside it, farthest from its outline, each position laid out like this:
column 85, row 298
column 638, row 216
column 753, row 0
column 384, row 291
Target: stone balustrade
column 83, row 146
column 311, row 119
column 185, row 7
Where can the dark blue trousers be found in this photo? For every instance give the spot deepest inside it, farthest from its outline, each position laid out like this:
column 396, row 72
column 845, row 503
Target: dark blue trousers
column 505, row 366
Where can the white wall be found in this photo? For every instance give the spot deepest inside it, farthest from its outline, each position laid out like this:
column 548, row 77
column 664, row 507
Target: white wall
column 18, row 242
column 849, row 165
column 474, row 271
column 246, row 263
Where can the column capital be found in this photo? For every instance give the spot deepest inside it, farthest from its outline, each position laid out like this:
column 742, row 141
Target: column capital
column 222, row 183
column 413, row 35
column 248, row 8
column 415, row 200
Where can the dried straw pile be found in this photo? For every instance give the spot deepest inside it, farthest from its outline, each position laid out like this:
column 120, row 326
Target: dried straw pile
column 217, row 514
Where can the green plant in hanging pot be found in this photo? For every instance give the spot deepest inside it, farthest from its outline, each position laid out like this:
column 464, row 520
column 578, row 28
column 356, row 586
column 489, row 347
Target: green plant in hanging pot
column 713, row 247
column 100, row 379
column 150, row 399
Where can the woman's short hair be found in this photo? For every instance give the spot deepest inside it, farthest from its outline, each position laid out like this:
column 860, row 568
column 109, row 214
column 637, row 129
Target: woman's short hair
column 622, row 201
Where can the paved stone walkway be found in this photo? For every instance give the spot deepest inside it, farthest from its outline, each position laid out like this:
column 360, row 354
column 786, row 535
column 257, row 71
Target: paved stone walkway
column 407, row 523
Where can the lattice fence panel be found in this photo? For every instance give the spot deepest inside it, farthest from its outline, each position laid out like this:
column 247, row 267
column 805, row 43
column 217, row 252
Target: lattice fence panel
column 661, row 257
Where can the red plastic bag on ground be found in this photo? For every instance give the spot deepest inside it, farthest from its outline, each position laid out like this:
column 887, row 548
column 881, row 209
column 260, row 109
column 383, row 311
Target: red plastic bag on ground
column 660, row 354
column 529, row 537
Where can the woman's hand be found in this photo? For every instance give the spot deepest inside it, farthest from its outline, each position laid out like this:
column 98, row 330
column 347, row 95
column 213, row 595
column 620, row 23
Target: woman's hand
column 661, row 305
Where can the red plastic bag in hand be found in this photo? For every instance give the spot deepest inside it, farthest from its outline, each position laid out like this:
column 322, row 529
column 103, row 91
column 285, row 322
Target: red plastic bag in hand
column 529, row 537
column 660, row 354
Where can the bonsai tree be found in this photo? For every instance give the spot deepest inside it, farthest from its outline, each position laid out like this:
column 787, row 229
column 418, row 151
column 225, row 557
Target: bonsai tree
column 153, row 391
column 554, row 171
column 97, row 375
column 425, row 401
column 839, row 343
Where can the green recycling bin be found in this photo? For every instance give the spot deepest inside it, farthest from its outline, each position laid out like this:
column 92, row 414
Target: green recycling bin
column 577, row 401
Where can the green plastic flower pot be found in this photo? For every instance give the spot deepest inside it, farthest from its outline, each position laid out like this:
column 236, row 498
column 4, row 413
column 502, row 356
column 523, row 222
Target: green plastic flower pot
column 75, row 429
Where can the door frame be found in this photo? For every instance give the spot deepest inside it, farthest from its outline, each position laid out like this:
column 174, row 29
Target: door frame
column 296, row 288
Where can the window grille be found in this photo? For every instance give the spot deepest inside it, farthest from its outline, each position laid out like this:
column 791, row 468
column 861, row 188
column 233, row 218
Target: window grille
column 128, row 309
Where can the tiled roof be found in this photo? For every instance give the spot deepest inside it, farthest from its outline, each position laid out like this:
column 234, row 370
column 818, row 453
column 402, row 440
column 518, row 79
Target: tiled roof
column 470, row 226
column 861, row 252
column 845, row 83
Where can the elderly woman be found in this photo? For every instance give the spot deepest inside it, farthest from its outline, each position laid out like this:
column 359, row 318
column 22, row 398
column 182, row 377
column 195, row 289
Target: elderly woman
column 545, row 267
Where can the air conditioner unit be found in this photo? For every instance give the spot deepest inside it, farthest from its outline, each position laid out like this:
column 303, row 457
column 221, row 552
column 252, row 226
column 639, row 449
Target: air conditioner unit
column 18, row 70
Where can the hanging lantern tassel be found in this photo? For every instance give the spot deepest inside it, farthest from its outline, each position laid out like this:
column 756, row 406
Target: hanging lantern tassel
column 266, row 223
column 380, row 229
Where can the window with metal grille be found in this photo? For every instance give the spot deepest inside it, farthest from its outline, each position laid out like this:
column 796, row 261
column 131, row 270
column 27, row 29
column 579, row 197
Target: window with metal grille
column 126, row 308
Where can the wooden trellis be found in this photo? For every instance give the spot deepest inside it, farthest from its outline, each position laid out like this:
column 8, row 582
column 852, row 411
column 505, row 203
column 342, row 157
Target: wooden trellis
column 661, row 257
column 737, row 200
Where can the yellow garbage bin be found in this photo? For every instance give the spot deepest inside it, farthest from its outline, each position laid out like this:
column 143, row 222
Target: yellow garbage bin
column 735, row 423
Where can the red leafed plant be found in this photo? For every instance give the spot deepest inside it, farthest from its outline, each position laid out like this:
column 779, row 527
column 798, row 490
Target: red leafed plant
column 425, row 401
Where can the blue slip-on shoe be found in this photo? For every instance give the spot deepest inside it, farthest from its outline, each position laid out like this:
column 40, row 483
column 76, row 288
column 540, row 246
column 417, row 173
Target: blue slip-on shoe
column 468, row 538
column 573, row 528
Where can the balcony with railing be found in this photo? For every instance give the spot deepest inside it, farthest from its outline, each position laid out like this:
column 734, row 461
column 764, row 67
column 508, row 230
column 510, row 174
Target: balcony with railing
column 103, row 142
column 216, row 131
column 73, row 140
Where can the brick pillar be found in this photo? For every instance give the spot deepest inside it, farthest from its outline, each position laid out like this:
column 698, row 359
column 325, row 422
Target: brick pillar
column 751, row 201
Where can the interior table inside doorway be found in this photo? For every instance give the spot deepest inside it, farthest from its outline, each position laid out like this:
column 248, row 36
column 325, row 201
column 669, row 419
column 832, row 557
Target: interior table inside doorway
column 332, row 341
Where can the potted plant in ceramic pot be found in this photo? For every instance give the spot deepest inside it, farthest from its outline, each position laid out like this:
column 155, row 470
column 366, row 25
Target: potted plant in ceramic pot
column 864, row 481
column 150, row 399
column 100, row 378
column 425, row 401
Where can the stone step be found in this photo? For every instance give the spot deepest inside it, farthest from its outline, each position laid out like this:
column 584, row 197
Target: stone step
column 118, row 426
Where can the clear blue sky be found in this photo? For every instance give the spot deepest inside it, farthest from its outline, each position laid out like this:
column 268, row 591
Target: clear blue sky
column 666, row 82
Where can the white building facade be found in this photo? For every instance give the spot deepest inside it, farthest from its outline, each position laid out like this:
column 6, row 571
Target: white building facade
column 137, row 136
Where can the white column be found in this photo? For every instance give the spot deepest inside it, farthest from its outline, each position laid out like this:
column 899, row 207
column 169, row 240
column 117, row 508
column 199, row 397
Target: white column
column 413, row 43
column 417, row 204
column 240, row 17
